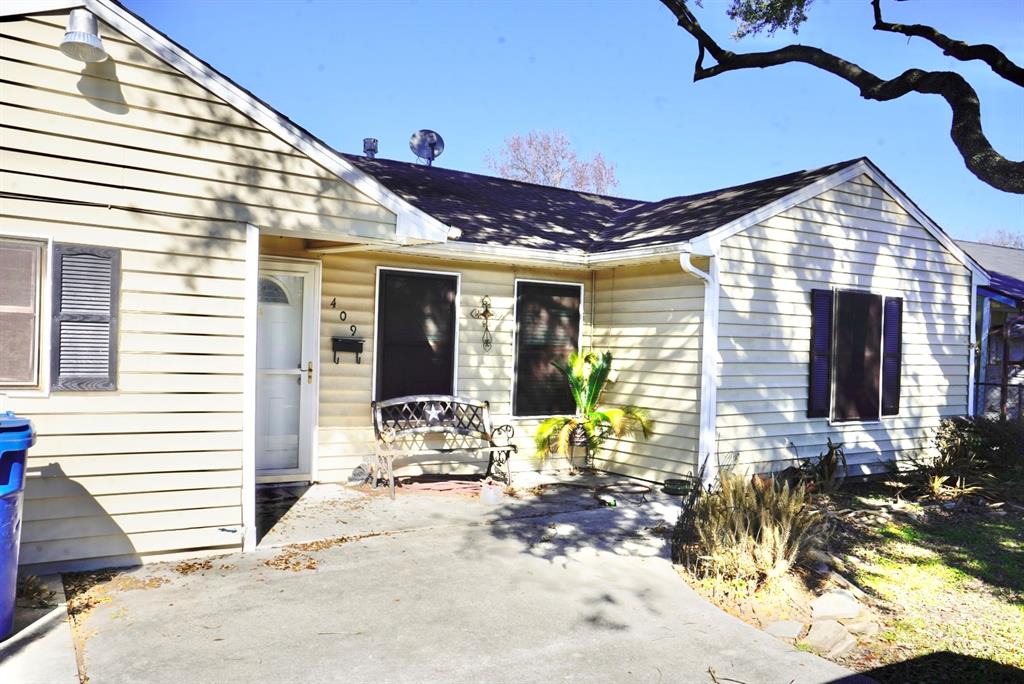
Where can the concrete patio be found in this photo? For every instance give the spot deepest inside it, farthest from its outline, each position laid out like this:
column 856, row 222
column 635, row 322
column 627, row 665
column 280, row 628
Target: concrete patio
column 552, row 586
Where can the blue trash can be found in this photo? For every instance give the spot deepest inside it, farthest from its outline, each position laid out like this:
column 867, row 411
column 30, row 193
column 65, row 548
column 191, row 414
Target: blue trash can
column 16, row 436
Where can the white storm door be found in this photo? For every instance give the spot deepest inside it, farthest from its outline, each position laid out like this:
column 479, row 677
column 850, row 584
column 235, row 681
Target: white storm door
column 287, row 366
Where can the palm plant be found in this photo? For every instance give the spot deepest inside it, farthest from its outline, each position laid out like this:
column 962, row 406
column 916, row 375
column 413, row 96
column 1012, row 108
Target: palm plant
column 587, row 374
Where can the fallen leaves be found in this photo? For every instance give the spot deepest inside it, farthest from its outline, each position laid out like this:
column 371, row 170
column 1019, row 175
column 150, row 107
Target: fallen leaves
column 293, row 560
column 190, row 567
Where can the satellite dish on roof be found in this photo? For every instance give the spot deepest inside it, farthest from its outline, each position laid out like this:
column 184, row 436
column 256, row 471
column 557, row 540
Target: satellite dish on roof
column 427, row 145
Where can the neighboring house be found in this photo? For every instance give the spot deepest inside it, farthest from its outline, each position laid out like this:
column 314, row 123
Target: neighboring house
column 1000, row 366
column 177, row 257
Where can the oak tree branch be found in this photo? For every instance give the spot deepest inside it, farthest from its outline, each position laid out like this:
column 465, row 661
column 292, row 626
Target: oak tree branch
column 989, row 54
column 966, row 131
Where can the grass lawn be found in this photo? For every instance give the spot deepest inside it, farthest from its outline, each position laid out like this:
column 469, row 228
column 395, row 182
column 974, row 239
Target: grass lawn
column 946, row 583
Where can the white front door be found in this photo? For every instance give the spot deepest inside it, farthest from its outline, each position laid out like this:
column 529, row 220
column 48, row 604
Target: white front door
column 287, row 370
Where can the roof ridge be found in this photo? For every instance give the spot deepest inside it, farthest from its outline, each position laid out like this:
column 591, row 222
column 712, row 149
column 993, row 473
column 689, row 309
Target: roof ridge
column 989, row 244
column 690, row 196
column 500, row 178
column 839, row 164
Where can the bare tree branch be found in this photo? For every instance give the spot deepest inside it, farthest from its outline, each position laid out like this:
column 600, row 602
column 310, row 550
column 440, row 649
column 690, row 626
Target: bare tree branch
column 966, row 130
column 989, row 54
column 548, row 158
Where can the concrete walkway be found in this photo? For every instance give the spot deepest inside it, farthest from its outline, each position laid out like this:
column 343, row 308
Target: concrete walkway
column 549, row 588
column 40, row 651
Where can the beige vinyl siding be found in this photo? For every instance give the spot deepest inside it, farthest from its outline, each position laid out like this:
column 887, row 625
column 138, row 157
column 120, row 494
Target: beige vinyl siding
column 155, row 467
column 852, row 237
column 650, row 319
column 345, row 427
column 152, row 470
column 132, row 131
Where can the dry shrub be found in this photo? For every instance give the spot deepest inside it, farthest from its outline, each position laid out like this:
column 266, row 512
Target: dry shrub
column 751, row 531
column 971, row 445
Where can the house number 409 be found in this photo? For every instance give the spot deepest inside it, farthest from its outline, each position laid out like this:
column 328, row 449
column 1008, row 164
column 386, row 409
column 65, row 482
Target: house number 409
column 343, row 315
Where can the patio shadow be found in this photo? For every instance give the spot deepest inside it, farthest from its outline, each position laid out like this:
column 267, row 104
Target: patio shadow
column 555, row 521
column 273, row 503
column 945, row 666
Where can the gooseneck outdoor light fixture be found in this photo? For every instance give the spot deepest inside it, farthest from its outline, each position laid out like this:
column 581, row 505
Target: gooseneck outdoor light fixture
column 82, row 38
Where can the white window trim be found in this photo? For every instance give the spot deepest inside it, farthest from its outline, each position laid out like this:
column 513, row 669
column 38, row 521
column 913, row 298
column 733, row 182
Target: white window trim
column 881, row 361
column 44, row 293
column 515, row 336
column 376, row 322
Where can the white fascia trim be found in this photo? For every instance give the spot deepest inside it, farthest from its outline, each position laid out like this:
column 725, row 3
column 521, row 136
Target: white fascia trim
column 973, row 358
column 575, row 259
column 412, row 224
column 498, row 253
column 710, row 362
column 252, row 275
column 978, row 274
column 715, row 237
column 17, row 8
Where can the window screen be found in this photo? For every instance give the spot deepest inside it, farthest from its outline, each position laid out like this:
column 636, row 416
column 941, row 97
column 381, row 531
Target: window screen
column 547, row 329
column 415, row 334
column 858, row 356
column 20, row 275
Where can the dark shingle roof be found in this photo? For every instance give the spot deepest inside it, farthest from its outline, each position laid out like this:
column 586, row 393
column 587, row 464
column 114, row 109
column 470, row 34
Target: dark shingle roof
column 1005, row 265
column 497, row 211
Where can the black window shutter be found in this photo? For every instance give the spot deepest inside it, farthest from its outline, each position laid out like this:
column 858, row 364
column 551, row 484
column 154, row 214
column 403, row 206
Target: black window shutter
column 547, row 329
column 892, row 347
column 86, row 287
column 820, row 377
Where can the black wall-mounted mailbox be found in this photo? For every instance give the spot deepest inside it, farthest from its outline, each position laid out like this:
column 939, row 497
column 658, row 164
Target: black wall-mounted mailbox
column 340, row 345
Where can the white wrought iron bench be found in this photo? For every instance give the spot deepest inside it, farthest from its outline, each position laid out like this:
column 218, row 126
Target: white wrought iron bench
column 401, row 425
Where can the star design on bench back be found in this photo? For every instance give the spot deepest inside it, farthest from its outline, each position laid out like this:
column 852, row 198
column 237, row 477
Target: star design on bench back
column 433, row 413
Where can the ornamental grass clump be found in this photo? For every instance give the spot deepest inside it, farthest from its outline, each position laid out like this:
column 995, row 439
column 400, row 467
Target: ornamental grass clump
column 751, row 531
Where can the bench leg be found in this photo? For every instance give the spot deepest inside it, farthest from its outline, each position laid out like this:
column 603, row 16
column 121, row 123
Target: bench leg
column 391, row 477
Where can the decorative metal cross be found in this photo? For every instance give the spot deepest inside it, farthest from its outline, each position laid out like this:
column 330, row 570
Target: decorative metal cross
column 484, row 313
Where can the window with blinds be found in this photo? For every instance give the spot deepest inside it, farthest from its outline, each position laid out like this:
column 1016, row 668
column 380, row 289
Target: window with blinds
column 86, row 285
column 547, row 329
column 21, row 278
column 415, row 334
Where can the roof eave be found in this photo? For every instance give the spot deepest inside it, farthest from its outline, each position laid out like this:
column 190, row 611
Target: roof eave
column 861, row 167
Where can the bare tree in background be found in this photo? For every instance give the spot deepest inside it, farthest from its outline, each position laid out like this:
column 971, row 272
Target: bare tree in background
column 548, row 158
column 1003, row 238
column 755, row 16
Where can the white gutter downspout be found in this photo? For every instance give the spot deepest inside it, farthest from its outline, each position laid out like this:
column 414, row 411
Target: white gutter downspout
column 710, row 358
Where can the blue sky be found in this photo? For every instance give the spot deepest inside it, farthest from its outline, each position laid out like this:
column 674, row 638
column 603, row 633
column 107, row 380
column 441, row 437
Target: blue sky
column 617, row 78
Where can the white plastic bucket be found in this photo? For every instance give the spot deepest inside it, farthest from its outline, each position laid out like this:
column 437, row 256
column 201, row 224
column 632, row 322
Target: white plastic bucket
column 491, row 493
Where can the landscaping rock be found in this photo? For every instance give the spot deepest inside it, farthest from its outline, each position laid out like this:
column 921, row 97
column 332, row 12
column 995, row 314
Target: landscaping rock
column 838, row 603
column 785, row 629
column 846, row 584
column 847, row 644
column 826, row 635
column 865, row 627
